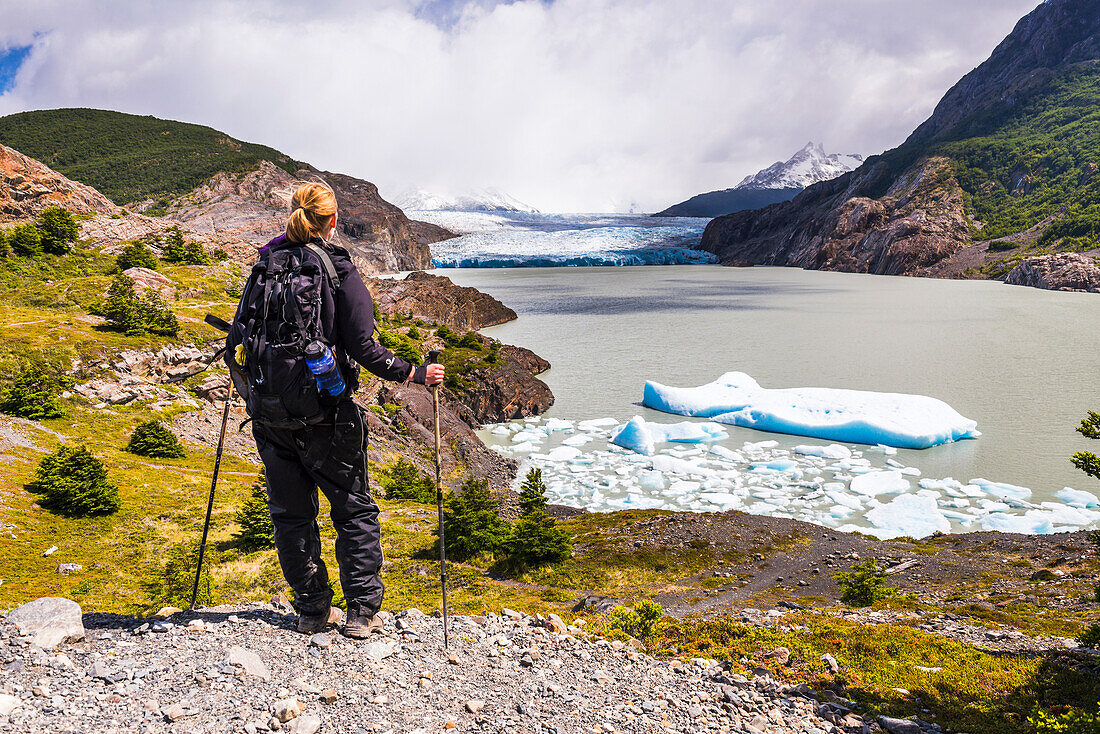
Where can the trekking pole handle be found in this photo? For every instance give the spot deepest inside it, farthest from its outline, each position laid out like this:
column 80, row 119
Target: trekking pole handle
column 433, row 357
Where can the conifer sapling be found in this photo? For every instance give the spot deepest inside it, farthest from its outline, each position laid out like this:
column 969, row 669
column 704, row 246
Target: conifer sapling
column 154, row 439
column 74, row 483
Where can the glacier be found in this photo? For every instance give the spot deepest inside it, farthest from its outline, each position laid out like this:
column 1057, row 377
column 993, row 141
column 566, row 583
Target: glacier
column 852, row 416
column 519, row 239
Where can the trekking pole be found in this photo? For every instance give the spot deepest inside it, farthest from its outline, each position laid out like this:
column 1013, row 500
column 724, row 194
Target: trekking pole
column 433, row 358
column 213, row 485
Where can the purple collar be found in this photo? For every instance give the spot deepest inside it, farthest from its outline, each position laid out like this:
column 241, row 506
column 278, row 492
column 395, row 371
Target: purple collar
column 274, row 243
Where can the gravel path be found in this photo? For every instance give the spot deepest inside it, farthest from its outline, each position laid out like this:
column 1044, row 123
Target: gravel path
column 244, row 669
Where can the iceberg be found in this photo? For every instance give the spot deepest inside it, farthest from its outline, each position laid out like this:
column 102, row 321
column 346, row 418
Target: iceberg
column 908, row 515
column 832, row 451
column 1077, row 497
column 880, row 482
column 1002, row 490
column 642, row 437
column 852, row 416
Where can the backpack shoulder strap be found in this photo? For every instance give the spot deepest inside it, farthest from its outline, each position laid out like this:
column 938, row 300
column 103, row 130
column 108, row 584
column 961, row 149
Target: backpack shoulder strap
column 326, row 262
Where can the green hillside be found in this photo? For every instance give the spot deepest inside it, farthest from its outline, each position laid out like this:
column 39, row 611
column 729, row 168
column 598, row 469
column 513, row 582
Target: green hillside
column 1048, row 150
column 131, row 157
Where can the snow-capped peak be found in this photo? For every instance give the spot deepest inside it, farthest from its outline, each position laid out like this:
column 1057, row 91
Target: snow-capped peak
column 807, row 166
column 485, row 200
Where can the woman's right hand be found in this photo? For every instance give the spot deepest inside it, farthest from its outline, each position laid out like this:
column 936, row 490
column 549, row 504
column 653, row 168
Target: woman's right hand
column 427, row 374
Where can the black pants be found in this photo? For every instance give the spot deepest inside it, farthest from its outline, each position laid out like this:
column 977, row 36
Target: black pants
column 331, row 456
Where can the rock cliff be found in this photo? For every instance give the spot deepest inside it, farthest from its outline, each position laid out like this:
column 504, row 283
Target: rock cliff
column 904, row 211
column 1066, row 271
column 436, row 298
column 28, row 186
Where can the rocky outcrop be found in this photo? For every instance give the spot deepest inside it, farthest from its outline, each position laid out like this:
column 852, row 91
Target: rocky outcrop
column 253, row 208
column 435, row 298
column 917, row 222
column 1065, row 271
column 902, row 212
column 28, row 186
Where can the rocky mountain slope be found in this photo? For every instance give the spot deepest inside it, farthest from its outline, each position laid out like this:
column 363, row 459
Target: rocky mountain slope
column 1009, row 146
column 28, row 186
column 780, row 181
column 224, row 191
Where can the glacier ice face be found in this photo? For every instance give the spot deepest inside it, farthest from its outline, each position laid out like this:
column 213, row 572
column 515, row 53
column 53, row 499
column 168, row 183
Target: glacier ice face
column 852, row 416
column 518, row 239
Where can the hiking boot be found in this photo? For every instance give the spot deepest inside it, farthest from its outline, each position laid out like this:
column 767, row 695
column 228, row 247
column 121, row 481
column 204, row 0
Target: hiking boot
column 312, row 623
column 362, row 624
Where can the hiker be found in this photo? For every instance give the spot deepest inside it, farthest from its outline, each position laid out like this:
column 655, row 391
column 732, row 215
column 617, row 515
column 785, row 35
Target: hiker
column 305, row 294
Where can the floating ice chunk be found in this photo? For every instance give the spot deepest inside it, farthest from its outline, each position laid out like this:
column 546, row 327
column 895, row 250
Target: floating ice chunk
column 563, row 453
column 1077, row 497
column 525, row 447
column 556, row 424
column 725, row 500
column 880, row 482
column 832, row 451
column 597, row 423
column 639, row 435
column 654, row 481
column 841, row 497
column 1002, row 490
column 779, row 465
column 579, row 440
column 946, row 485
column 500, row 431
column 1031, row 523
column 528, row 435
column 726, row 453
column 670, row 464
column 759, row 445
column 910, row 515
column 1069, row 515
column 852, row 416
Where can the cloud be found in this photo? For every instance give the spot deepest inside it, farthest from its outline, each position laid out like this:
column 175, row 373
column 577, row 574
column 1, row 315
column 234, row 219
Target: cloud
column 569, row 105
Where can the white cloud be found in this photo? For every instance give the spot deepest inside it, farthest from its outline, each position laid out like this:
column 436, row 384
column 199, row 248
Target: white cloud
column 570, row 105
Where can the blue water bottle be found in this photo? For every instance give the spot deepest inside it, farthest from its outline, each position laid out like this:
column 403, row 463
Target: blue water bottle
column 322, row 364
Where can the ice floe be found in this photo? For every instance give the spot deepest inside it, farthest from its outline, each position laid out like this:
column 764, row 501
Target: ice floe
column 845, row 487
column 852, row 416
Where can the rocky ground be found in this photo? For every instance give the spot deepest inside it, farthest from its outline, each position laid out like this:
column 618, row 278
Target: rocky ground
column 245, row 669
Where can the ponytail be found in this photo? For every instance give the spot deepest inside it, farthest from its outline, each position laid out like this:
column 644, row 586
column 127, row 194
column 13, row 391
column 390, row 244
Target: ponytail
column 312, row 206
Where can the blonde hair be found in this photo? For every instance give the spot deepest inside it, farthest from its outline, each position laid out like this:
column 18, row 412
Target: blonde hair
column 311, row 208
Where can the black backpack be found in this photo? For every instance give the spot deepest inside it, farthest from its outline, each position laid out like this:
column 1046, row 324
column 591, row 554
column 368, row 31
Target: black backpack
column 279, row 315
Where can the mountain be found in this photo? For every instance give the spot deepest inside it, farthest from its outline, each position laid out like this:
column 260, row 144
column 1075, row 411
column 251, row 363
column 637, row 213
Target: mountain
column 28, row 186
column 232, row 191
column 781, row 181
column 485, row 200
column 1009, row 154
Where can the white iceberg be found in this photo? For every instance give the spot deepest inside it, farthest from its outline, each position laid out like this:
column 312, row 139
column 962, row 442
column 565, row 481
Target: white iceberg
column 1077, row 497
column 852, row 416
column 1002, row 490
column 832, row 451
column 642, row 437
column 908, row 515
column 880, row 482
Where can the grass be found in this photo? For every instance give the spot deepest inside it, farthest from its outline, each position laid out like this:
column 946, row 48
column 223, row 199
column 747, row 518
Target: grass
column 897, row 670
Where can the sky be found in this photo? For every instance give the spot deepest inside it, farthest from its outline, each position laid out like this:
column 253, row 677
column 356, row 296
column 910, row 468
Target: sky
column 568, row 105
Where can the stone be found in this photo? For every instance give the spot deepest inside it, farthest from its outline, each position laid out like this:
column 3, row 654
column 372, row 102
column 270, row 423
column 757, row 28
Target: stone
column 165, row 613
column 175, row 712
column 320, row 640
column 474, row 706
column 1046, row 574
column 67, row 568
column 830, row 661
column 248, row 662
column 287, row 709
column 899, row 726
column 379, row 650
column 307, row 724
column 8, row 704
column 50, row 620
column 781, row 655
column 329, row 696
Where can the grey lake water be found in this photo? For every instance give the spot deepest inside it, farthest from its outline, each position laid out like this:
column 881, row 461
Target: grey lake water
column 1021, row 362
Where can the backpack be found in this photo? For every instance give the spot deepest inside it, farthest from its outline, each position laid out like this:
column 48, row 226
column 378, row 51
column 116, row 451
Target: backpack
column 280, row 313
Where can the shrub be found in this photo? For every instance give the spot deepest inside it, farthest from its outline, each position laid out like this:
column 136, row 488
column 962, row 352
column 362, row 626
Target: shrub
column 5, row 246
column 177, row 578
column 640, row 622
column 1090, row 638
column 35, row 391
column 1002, row 246
column 472, row 522
column 58, row 230
column 535, row 540
column 469, row 340
column 193, row 254
column 128, row 313
column 449, row 337
column 400, row 345
column 532, row 494
column 862, row 586
column 1074, row 721
column 219, row 255
column 174, row 250
column 74, row 483
column 137, row 255
column 406, row 482
column 154, row 439
column 254, row 517
column 413, row 333
column 25, row 240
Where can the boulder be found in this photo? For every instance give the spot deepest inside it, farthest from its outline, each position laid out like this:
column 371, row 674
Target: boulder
column 50, row 620
column 146, row 280
column 249, row 662
column 1064, row 271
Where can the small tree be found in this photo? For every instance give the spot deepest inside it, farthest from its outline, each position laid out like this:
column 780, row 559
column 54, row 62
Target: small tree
column 177, row 578
column 5, row 246
column 193, row 254
column 406, row 482
column 257, row 531
column 35, row 391
column 1087, row 461
column 137, row 255
column 25, row 240
column 472, row 521
column 74, row 483
column 862, row 586
column 532, row 494
column 174, row 250
column 59, row 230
column 154, row 439
column 128, row 313
column 156, row 317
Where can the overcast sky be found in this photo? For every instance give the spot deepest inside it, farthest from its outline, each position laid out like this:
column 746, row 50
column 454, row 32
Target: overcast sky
column 569, row 105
